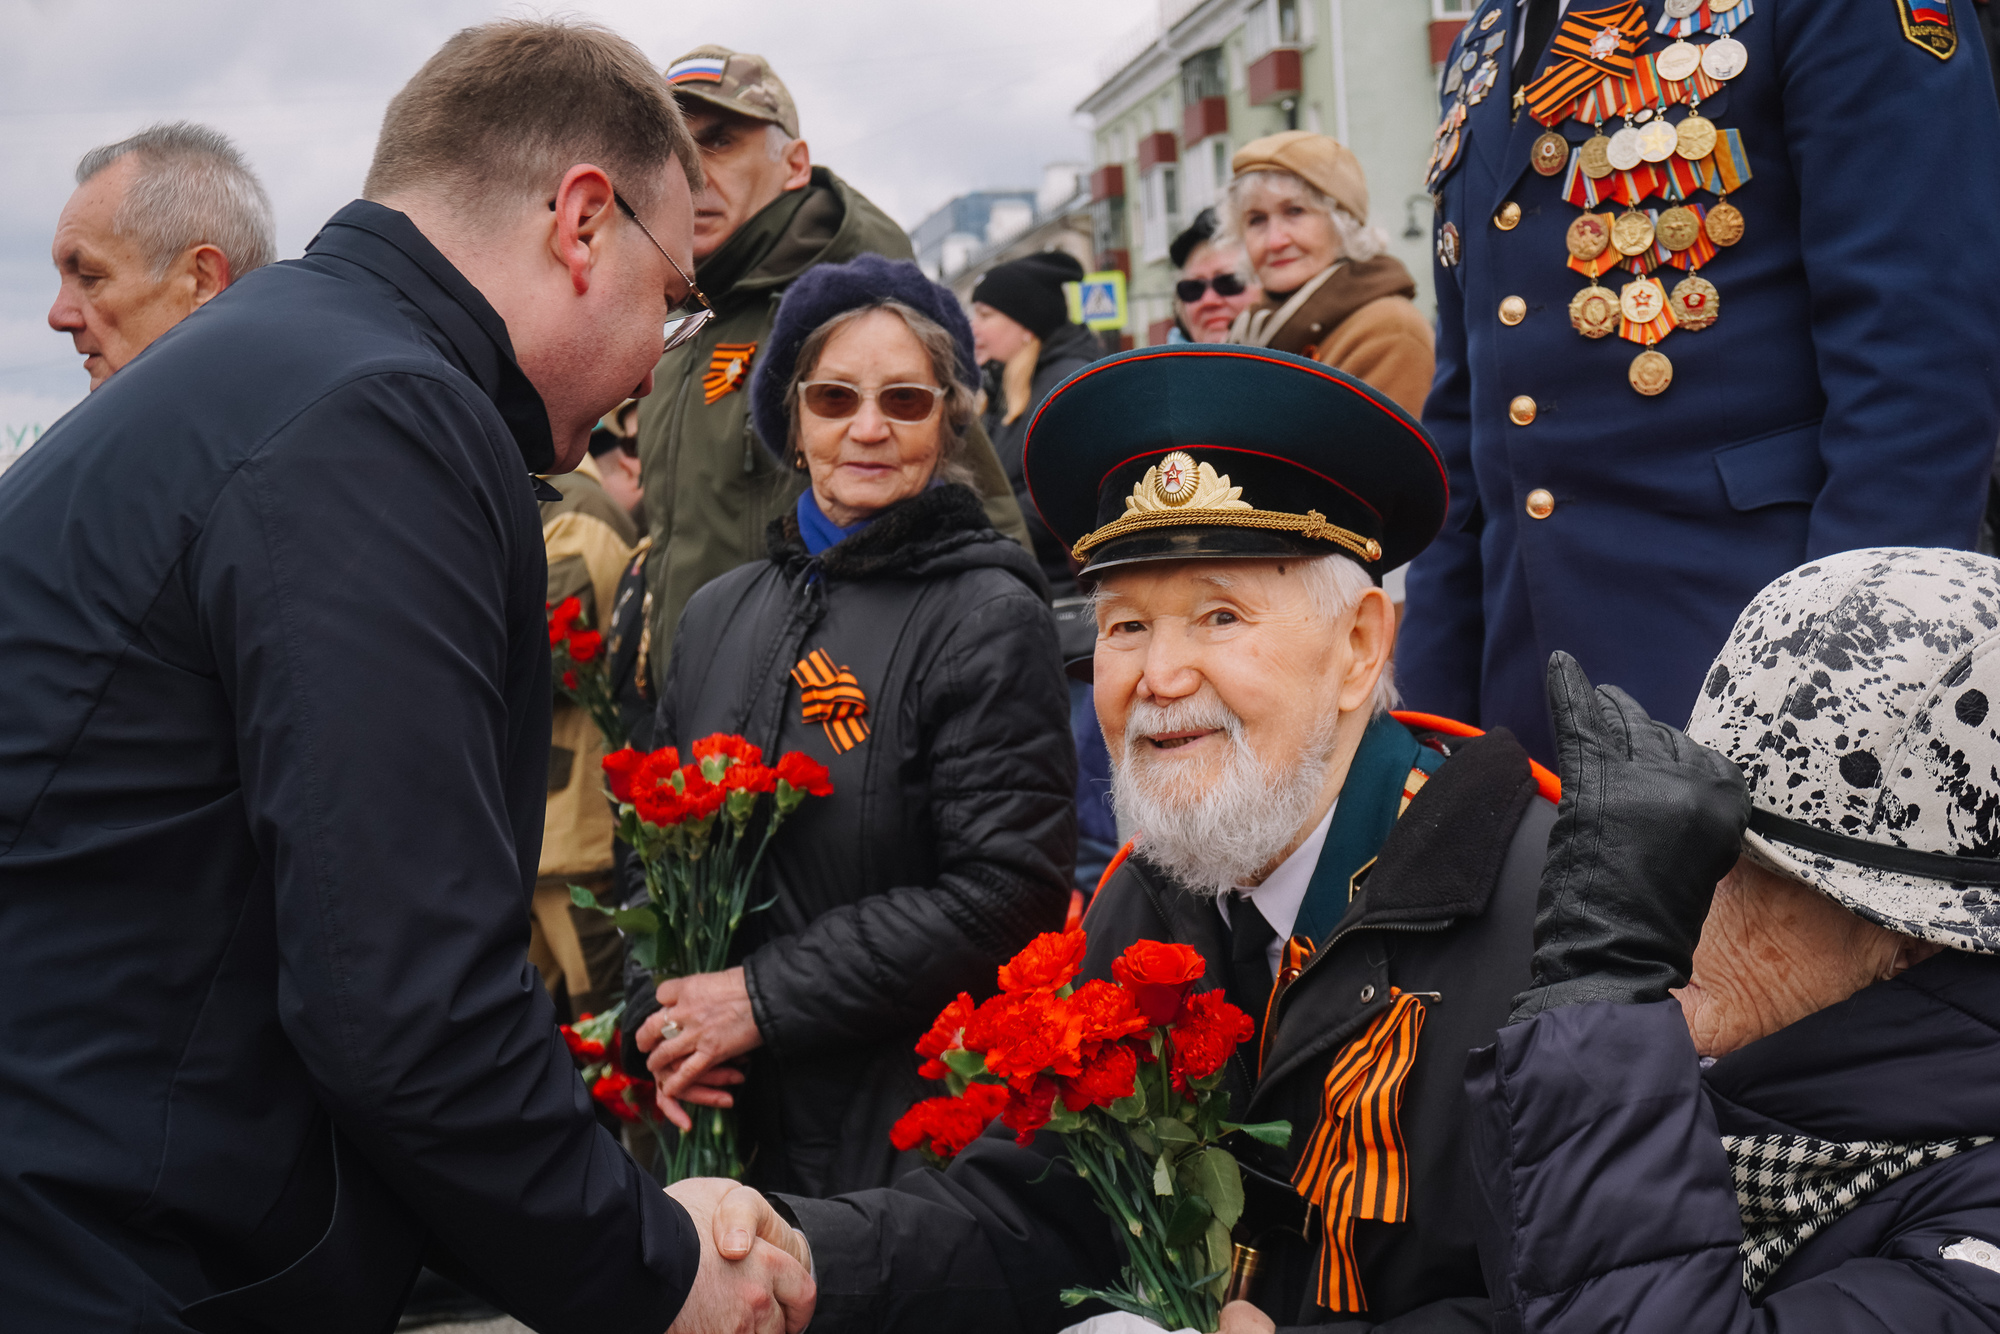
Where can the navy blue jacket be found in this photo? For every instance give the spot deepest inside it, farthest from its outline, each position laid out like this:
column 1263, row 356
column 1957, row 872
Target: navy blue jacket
column 1597, row 1138
column 1848, row 396
column 272, row 757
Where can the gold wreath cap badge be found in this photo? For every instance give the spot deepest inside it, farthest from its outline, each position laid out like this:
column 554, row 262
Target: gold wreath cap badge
column 1180, row 490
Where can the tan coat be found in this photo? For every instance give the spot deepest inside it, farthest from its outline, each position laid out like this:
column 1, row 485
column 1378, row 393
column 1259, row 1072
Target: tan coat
column 1357, row 318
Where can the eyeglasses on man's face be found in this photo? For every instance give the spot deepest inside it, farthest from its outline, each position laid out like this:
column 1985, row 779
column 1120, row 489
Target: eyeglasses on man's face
column 837, row 400
column 686, row 319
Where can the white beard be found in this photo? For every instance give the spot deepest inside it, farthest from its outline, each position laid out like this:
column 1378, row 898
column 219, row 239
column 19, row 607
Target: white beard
column 1212, row 833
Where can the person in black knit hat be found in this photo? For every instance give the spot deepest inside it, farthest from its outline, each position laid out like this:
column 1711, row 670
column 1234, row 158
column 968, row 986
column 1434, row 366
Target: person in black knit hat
column 1024, row 340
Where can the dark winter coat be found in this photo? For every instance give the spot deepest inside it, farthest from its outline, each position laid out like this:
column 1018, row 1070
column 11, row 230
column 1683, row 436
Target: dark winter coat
column 1448, row 907
column 1599, row 1149
column 947, row 842
column 273, row 747
column 1065, row 352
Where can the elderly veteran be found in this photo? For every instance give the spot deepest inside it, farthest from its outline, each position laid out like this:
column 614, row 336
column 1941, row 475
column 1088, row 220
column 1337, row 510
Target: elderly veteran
column 1342, row 872
column 1788, row 1125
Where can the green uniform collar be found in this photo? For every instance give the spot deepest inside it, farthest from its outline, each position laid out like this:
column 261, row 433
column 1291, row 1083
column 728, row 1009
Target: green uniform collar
column 1370, row 800
column 737, row 257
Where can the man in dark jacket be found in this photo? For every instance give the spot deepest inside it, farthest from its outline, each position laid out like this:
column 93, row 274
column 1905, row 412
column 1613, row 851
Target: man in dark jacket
column 1791, row 1124
column 766, row 216
column 1336, row 870
column 273, row 752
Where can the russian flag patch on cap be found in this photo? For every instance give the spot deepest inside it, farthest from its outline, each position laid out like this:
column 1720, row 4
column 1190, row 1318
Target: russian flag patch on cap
column 699, row 69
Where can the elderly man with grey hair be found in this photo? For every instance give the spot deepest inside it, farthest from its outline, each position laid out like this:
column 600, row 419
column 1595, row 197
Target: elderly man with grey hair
column 160, row 223
column 1756, row 1082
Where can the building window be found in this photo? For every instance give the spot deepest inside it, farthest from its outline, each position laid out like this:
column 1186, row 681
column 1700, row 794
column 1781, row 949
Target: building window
column 1218, row 149
column 1288, row 21
column 1160, row 219
column 1202, row 77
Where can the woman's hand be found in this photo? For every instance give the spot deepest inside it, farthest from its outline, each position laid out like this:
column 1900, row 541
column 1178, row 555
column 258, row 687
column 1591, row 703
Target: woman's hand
column 703, row 1023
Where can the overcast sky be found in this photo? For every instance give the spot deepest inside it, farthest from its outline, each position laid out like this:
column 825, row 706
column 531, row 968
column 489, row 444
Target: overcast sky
column 914, row 101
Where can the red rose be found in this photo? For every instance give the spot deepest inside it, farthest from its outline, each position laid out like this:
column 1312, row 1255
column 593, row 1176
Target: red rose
column 946, row 1033
column 1047, row 964
column 804, row 773
column 1028, row 1111
column 583, row 645
column 1112, row 1074
column 620, row 768
column 1158, row 976
column 1207, row 1031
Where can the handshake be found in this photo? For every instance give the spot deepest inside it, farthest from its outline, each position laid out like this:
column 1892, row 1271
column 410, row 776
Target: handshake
column 756, row 1269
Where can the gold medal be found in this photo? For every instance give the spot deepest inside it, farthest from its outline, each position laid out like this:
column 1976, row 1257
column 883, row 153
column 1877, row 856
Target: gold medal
column 1588, row 236
column 1642, row 300
column 1550, row 153
column 1657, row 142
column 1695, row 137
column 1651, row 373
column 1594, row 312
column 1623, row 153
column 1725, row 224
column 1632, row 234
column 1695, row 302
column 1680, row 60
column 1595, row 157
column 1678, row 228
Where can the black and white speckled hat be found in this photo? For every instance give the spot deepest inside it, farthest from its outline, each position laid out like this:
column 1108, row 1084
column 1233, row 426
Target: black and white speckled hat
column 1857, row 695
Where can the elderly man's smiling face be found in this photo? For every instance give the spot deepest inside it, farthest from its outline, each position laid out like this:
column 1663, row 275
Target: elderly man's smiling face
column 1232, row 695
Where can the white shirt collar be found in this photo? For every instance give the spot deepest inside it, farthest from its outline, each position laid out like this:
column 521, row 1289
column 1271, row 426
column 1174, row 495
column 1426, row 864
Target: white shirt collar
column 1283, row 892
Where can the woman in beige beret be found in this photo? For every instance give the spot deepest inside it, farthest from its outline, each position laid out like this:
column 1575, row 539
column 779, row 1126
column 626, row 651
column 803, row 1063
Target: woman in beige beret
column 1299, row 204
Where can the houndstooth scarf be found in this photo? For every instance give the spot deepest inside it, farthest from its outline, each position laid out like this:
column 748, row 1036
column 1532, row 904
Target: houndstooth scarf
column 1789, row 1187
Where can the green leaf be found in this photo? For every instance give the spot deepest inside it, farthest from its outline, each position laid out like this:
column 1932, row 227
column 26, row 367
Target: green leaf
column 1163, row 1176
column 583, row 898
column 646, row 952
column 1189, row 1220
column 1275, row 1133
column 968, row 1063
column 1216, row 1178
column 636, row 921
column 1219, row 1257
column 1171, row 1130
column 1143, row 1141
column 1130, row 1110
column 1063, row 1121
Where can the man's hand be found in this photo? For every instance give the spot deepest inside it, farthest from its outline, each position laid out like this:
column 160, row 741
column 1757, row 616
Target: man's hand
column 703, row 1022
column 1243, row 1318
column 1649, row 821
column 755, row 1275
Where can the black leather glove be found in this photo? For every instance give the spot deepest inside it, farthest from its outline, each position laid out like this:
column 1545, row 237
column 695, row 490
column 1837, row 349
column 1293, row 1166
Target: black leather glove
column 1649, row 822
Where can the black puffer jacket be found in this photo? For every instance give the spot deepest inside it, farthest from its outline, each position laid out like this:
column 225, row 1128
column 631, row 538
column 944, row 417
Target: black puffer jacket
column 1064, row 353
column 946, row 844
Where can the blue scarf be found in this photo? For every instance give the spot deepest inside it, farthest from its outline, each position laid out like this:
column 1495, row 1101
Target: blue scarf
column 820, row 532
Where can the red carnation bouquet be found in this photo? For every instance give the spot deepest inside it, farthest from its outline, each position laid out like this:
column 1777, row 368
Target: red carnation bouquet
column 577, row 654
column 699, row 830
column 593, row 1043
column 1129, row 1073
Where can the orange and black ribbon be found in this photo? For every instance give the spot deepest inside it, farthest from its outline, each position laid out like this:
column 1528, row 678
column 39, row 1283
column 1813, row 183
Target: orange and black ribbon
column 1588, row 46
column 832, row 697
column 728, row 369
column 1356, row 1165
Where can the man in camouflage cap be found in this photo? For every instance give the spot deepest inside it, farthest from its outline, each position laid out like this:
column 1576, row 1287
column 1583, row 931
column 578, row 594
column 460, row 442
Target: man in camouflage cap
column 767, row 215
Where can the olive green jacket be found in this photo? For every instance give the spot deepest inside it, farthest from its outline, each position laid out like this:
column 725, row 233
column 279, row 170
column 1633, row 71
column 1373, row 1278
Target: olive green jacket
column 711, row 488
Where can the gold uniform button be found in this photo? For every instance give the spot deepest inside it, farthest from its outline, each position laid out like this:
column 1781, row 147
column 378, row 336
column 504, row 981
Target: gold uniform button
column 1509, row 216
column 1540, row 504
column 1513, row 310
column 1521, row 411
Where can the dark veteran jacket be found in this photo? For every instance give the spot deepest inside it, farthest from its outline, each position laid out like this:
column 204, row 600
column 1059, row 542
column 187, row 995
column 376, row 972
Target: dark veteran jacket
column 1848, row 395
column 272, row 754
column 1448, row 907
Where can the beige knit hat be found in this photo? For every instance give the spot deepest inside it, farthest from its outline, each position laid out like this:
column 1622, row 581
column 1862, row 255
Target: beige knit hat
column 1325, row 164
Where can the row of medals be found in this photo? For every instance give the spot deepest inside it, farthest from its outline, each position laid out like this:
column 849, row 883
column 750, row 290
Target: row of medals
column 1649, row 137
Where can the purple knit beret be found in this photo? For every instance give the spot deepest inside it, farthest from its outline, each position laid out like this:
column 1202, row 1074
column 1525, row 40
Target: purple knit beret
column 827, row 290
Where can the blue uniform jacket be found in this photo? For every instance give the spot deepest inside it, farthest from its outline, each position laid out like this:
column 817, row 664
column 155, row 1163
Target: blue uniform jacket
column 1848, row 396
column 273, row 748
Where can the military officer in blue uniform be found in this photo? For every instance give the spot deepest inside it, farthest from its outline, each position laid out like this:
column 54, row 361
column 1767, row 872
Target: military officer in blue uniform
column 1716, row 295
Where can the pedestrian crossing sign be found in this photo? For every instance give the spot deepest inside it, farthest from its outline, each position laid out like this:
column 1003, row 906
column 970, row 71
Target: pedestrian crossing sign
column 1098, row 302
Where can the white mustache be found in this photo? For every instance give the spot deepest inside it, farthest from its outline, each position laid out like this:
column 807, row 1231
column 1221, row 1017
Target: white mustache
column 1146, row 720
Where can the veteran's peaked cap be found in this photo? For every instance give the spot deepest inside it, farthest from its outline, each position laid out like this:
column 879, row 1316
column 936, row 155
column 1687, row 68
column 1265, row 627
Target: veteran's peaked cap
column 1219, row 451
